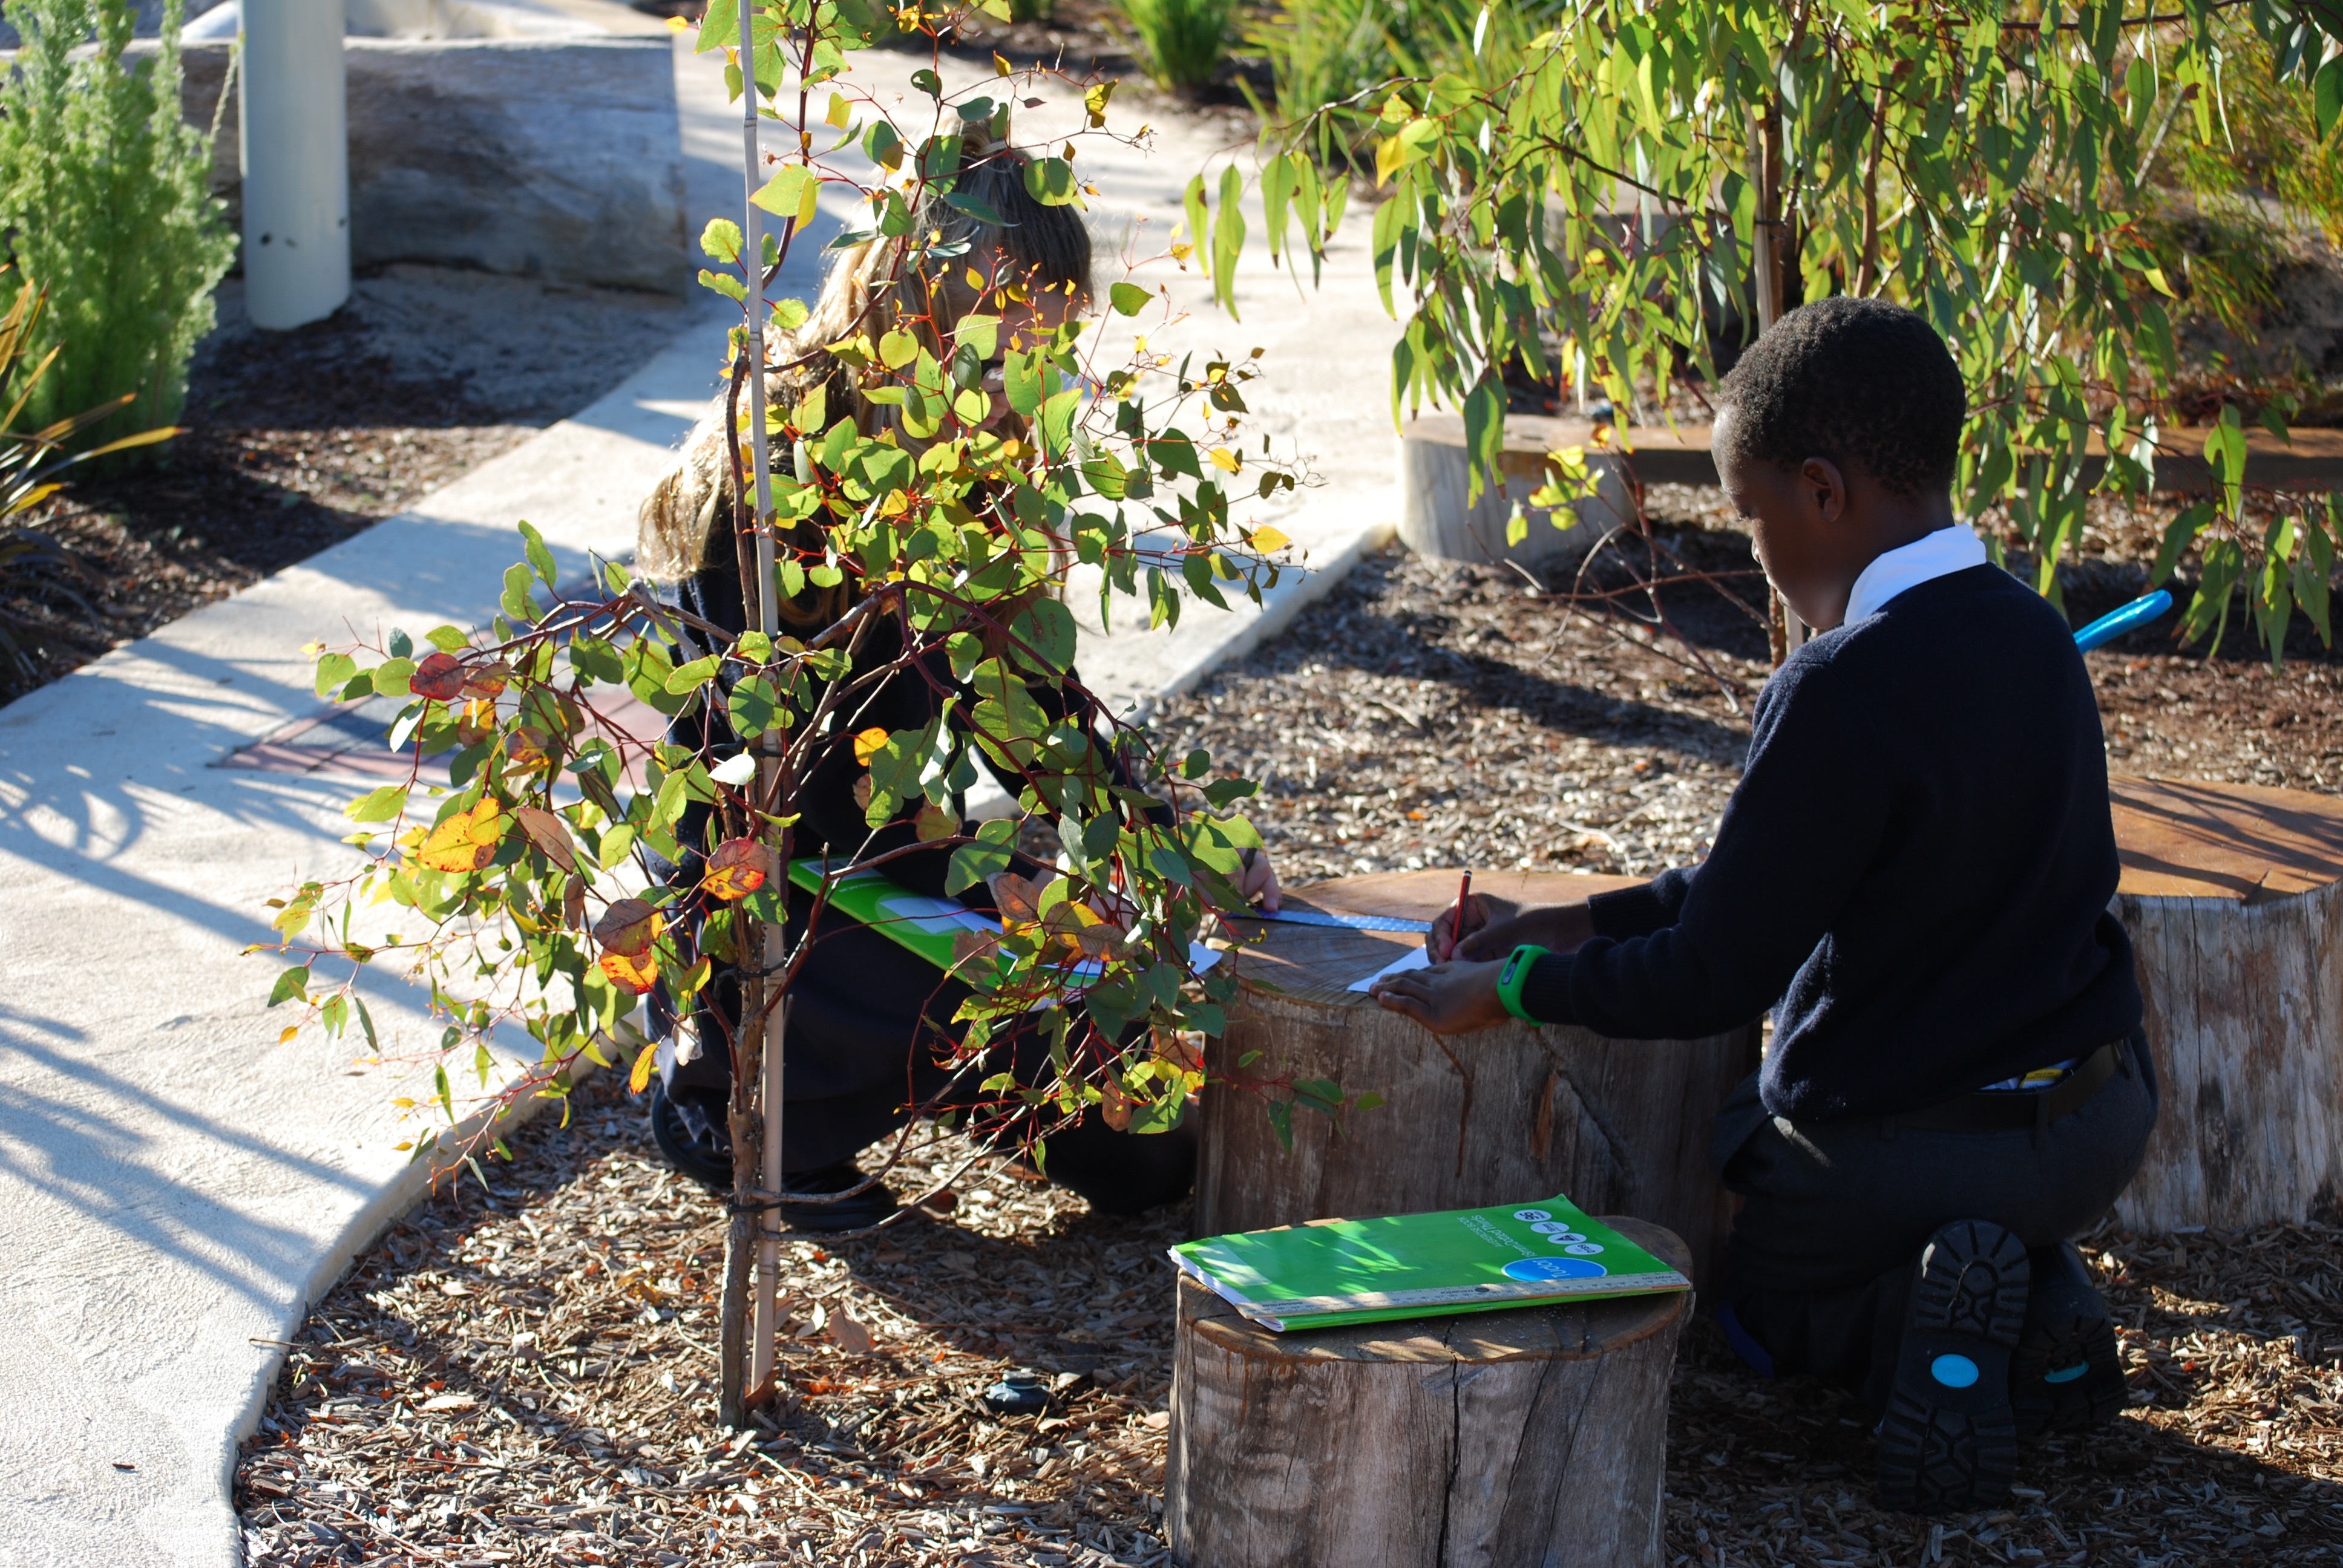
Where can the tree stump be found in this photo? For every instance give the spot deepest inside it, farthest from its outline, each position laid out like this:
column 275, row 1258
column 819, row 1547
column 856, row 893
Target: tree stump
column 1436, row 478
column 1507, row 1115
column 1533, row 1436
column 2233, row 896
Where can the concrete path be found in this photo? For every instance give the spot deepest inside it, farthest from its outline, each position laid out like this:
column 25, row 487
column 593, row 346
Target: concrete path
column 178, row 1186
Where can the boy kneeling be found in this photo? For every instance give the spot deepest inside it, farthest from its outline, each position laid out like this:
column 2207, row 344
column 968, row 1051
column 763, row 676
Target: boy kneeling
column 1915, row 874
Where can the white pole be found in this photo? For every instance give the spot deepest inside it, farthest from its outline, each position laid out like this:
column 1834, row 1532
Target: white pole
column 295, row 123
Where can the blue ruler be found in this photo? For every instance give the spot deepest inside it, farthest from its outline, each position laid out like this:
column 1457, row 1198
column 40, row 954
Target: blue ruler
column 1341, row 923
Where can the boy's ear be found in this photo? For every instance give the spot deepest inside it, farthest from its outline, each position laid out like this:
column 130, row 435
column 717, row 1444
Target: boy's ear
column 1825, row 483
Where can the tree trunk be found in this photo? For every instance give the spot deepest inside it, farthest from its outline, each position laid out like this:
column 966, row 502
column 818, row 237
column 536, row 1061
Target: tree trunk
column 2233, row 896
column 1533, row 1436
column 1509, row 1114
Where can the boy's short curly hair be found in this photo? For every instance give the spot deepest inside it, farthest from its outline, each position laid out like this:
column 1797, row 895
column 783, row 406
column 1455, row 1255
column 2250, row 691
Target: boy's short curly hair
column 1861, row 382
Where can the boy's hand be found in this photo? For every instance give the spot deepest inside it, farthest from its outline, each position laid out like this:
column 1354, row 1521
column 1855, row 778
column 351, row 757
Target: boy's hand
column 1478, row 913
column 1557, row 927
column 1447, row 998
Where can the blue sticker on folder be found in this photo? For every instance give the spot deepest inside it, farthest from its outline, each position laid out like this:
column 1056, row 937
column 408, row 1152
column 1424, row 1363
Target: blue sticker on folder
column 1554, row 1269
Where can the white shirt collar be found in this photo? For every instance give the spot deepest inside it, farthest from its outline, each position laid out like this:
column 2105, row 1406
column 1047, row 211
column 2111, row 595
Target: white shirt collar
column 1952, row 548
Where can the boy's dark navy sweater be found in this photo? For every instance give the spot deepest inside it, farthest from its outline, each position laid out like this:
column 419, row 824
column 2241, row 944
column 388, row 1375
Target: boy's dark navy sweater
column 1916, row 870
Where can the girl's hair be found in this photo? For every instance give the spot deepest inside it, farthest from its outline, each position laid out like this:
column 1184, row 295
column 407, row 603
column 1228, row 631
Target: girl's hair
column 870, row 289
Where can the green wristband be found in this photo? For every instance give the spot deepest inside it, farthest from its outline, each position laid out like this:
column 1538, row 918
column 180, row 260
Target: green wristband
column 1514, row 976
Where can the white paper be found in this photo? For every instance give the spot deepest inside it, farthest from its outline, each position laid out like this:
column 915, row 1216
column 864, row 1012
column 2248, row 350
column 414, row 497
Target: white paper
column 1413, row 958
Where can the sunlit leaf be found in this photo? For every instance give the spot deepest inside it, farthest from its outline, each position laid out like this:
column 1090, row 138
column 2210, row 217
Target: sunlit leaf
column 738, row 867
column 464, row 840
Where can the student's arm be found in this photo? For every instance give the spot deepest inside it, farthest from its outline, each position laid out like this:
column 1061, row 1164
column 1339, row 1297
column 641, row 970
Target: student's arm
column 1794, row 839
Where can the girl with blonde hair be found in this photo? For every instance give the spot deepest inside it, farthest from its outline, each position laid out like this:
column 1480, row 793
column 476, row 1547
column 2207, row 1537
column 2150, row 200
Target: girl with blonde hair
column 871, row 1028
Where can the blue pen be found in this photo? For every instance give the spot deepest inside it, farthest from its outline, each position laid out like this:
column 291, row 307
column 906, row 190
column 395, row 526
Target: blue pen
column 2131, row 617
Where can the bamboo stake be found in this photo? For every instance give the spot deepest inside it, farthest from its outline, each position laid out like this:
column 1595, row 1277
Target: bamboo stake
column 756, row 1138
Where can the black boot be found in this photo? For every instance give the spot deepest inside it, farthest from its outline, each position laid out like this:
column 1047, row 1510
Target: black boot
column 1950, row 1439
column 867, row 1207
column 2066, row 1374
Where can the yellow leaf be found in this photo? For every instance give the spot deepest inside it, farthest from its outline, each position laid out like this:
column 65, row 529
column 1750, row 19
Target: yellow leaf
column 868, row 744
column 738, row 867
column 840, row 112
column 286, row 1036
column 1001, row 67
column 677, row 24
column 640, row 1080
column 934, row 822
column 633, row 974
column 466, row 840
column 976, row 280
column 2156, row 280
column 1223, row 458
column 1268, row 539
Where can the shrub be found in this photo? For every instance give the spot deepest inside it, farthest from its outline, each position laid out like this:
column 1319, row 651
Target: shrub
column 1181, row 42
column 1319, row 51
column 105, row 206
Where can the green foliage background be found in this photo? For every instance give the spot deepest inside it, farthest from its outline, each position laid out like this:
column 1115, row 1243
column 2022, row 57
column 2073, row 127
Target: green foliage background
column 2056, row 187
column 105, row 205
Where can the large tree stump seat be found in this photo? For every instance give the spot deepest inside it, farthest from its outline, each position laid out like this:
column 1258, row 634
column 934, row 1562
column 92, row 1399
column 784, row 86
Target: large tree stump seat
column 1509, row 1114
column 2233, row 895
column 1503, row 1440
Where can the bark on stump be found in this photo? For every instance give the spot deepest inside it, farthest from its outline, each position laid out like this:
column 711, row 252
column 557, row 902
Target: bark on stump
column 2233, row 896
column 1506, row 1115
column 1533, row 1436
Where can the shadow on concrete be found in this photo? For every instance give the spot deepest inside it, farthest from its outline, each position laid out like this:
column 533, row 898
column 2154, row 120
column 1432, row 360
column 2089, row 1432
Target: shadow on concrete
column 54, row 1141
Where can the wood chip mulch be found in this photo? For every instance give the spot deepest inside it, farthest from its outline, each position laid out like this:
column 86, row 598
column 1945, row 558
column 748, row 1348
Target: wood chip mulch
column 527, row 1375
column 524, row 1375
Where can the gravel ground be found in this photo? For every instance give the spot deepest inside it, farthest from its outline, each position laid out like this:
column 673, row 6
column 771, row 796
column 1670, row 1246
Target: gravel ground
column 296, row 440
column 524, row 1375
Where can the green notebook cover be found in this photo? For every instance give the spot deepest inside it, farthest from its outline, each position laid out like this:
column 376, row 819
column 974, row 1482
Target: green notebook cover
column 1333, row 1272
column 927, row 926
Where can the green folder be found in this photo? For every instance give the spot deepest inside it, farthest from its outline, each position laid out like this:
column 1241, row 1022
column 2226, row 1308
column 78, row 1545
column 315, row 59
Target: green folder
column 927, row 926
column 1333, row 1272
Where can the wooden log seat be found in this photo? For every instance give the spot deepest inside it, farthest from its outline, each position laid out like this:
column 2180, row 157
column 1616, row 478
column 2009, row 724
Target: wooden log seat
column 2233, row 896
column 1501, row 1440
column 1506, row 1115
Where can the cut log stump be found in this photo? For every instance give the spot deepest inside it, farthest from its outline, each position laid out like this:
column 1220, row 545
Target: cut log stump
column 1535, row 1436
column 2233, row 896
column 1506, row 1115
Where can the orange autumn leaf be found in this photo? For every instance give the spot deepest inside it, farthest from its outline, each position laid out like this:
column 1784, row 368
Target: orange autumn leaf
column 1019, row 898
column 486, row 679
column 633, row 972
column 934, row 822
column 549, row 834
column 738, row 867
column 967, row 947
column 868, row 744
column 528, row 747
column 1115, row 1104
column 476, row 722
column 466, row 840
column 630, row 926
column 440, row 677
